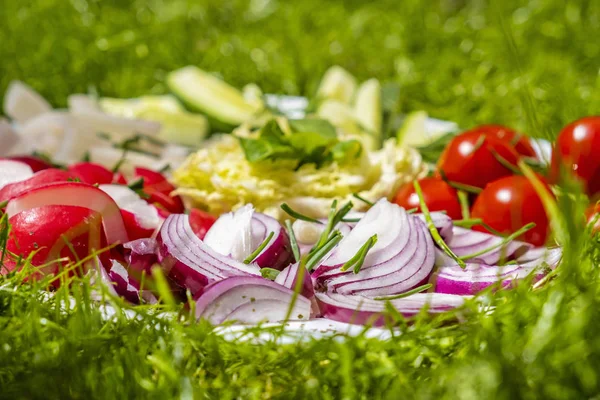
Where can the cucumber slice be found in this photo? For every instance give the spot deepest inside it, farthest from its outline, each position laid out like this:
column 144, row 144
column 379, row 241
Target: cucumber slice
column 337, row 84
column 367, row 106
column 339, row 114
column 212, row 96
column 179, row 127
column 413, row 132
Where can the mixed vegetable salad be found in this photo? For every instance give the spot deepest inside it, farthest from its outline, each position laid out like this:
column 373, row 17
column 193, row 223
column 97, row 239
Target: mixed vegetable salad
column 329, row 210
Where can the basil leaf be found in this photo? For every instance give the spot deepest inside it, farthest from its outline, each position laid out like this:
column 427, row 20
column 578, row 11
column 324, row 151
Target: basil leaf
column 313, row 125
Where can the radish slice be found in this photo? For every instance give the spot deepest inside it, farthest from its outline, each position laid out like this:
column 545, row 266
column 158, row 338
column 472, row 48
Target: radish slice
column 401, row 259
column 8, row 138
column 74, row 194
column 128, row 200
column 363, row 310
column 189, row 262
column 22, row 103
column 250, row 300
column 36, row 163
column 92, row 173
column 289, row 276
column 41, row 178
column 13, row 171
column 467, row 241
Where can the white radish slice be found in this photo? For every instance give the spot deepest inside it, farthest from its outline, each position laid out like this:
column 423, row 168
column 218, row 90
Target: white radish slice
column 8, row 138
column 21, row 102
column 118, row 128
column 109, row 156
column 13, row 171
column 128, row 200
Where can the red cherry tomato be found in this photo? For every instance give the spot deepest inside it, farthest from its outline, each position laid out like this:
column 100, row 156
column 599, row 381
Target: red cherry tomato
column 92, row 173
column 577, row 149
column 35, row 163
column 201, row 222
column 471, row 158
column 510, row 203
column 519, row 142
column 53, row 232
column 438, row 195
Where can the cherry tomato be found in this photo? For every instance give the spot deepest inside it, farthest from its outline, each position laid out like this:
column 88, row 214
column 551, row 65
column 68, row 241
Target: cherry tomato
column 518, row 141
column 201, row 222
column 577, row 149
column 438, row 195
column 510, row 203
column 472, row 158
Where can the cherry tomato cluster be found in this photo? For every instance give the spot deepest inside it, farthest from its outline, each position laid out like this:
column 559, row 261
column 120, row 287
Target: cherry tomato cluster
column 483, row 162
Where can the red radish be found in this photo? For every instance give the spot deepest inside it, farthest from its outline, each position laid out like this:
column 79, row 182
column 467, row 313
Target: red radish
column 141, row 219
column 13, row 171
column 43, row 177
column 74, row 194
column 53, row 232
column 36, row 163
column 91, row 173
column 159, row 190
column 201, row 221
column 119, row 178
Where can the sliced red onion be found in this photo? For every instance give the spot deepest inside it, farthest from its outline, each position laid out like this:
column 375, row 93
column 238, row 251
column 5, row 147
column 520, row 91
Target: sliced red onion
column 21, row 102
column 189, row 262
column 442, row 222
column 127, row 286
column 401, row 259
column 476, row 277
column 467, row 241
column 141, row 254
column 238, row 234
column 307, row 233
column 363, row 310
column 249, row 299
column 540, row 255
column 13, row 171
column 289, row 276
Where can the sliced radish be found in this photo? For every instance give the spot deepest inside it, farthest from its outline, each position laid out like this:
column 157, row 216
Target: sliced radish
column 53, row 232
column 141, row 218
column 36, row 163
column 22, row 103
column 92, row 173
column 41, row 178
column 74, row 194
column 13, row 171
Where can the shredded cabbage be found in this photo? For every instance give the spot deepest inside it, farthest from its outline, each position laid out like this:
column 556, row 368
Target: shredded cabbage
column 220, row 179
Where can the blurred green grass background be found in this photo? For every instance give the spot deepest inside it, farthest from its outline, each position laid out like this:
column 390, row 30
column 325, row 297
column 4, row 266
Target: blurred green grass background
column 467, row 61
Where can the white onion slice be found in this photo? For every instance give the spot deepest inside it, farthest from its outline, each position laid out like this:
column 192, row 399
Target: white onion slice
column 8, row 138
column 21, row 102
column 82, row 103
column 401, row 259
column 117, row 127
column 251, row 300
column 356, row 309
column 13, row 171
column 307, row 233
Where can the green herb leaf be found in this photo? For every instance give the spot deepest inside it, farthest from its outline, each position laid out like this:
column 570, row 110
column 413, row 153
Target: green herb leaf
column 317, row 126
column 269, row 273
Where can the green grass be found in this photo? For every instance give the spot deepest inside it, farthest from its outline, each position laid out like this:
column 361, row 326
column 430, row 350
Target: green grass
column 531, row 65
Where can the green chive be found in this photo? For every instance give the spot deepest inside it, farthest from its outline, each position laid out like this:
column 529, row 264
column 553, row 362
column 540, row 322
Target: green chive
column 293, row 241
column 432, row 229
column 319, row 252
column 358, row 259
column 507, row 239
column 505, row 163
column 467, row 222
column 260, row 248
column 269, row 273
column 416, row 290
column 463, row 199
column 295, row 214
column 359, row 197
